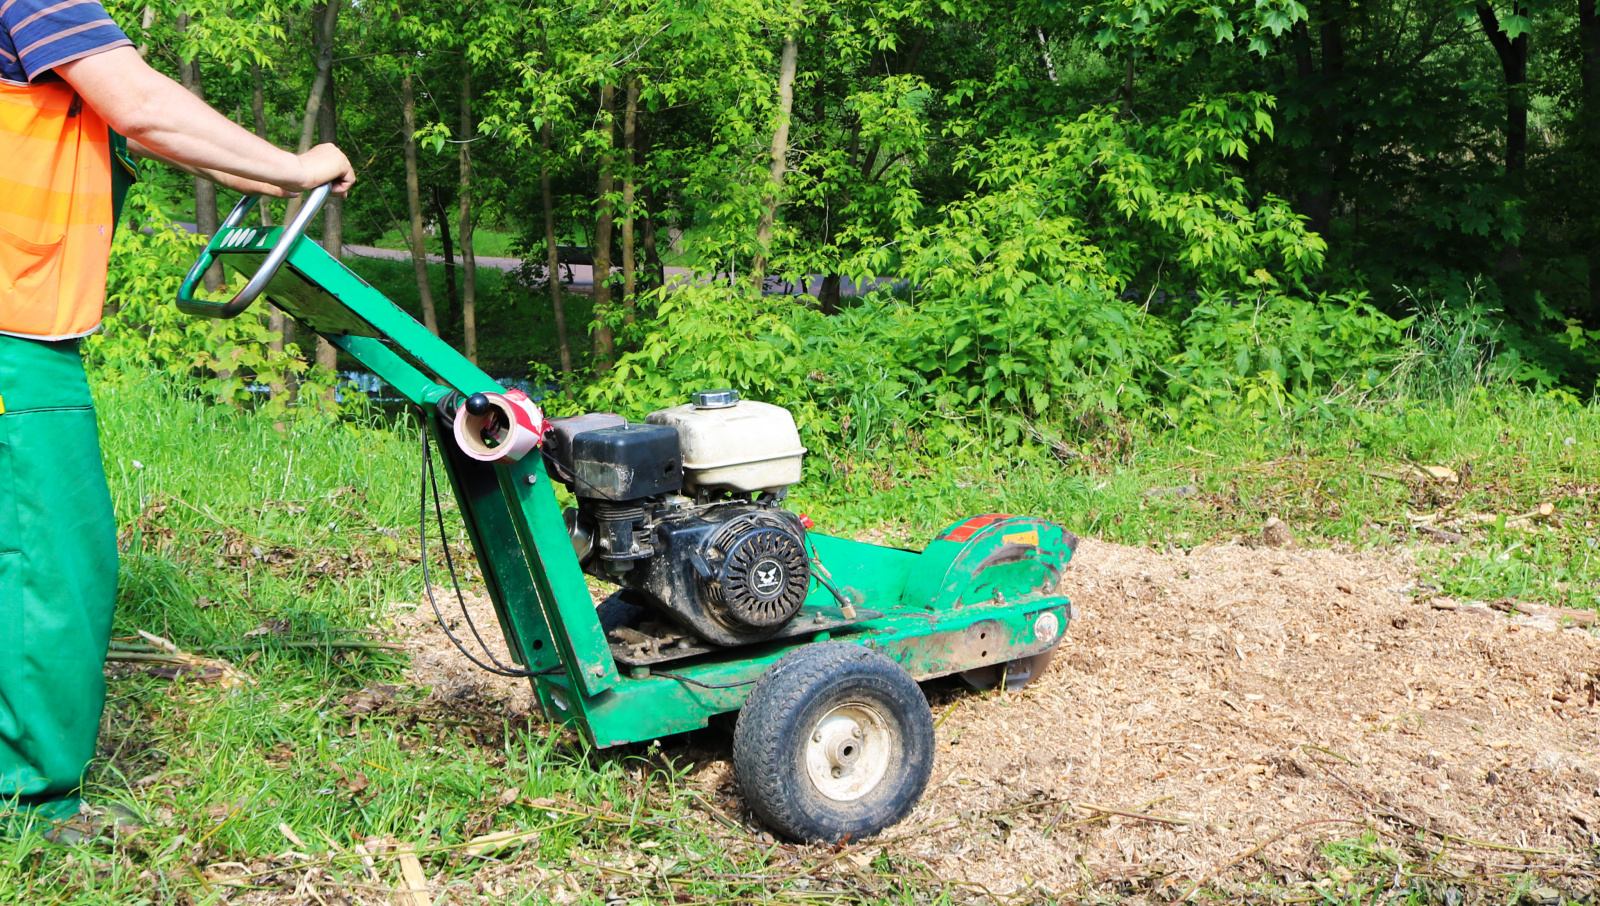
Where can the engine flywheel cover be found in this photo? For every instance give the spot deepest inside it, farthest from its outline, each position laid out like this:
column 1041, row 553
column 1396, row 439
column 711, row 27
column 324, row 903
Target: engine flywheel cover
column 763, row 578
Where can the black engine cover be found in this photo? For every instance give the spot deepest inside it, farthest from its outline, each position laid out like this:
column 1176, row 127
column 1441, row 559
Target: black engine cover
column 731, row 574
column 626, row 462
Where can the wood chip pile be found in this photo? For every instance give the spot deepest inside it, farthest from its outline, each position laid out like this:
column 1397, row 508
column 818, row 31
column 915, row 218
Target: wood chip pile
column 1245, row 693
column 1218, row 716
column 438, row 666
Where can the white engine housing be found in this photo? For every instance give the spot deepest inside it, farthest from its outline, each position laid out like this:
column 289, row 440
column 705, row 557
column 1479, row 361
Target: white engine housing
column 743, row 447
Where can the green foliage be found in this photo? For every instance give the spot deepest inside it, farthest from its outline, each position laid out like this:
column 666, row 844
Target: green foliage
column 887, row 374
column 144, row 333
column 1176, row 28
column 1019, row 312
column 1281, row 355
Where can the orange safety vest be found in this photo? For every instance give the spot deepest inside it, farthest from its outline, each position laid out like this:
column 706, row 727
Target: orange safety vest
column 55, row 212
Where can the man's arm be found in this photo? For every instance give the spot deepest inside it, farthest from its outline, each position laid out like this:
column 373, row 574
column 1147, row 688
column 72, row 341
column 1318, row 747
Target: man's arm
column 221, row 177
column 163, row 118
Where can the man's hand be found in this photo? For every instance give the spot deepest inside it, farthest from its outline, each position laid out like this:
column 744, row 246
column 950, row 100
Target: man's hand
column 326, row 163
column 163, row 118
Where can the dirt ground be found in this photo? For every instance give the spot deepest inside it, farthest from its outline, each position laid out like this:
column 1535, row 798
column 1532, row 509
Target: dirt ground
column 1220, row 715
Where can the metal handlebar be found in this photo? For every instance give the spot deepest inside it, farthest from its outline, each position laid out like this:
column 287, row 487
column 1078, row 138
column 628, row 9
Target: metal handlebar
column 269, row 267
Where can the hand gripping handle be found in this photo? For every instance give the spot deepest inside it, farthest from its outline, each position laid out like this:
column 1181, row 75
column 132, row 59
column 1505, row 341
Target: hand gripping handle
column 269, row 267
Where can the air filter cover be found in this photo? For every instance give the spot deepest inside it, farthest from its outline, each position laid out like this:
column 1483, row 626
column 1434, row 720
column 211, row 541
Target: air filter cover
column 626, row 462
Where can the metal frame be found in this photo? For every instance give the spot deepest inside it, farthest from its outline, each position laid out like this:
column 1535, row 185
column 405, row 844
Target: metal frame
column 981, row 593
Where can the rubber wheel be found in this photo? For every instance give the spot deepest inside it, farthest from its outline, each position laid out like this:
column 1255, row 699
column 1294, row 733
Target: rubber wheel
column 615, row 612
column 835, row 741
column 1017, row 673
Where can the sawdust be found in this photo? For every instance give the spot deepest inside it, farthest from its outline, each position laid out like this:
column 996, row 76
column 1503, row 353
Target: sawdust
column 438, row 666
column 1227, row 698
column 1252, row 691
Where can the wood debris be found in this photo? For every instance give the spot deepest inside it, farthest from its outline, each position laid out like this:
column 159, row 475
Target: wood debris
column 414, row 881
column 1269, row 699
column 1272, row 700
column 161, row 658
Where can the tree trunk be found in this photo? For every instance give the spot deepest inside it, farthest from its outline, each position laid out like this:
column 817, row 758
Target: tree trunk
column 332, row 211
column 1589, row 80
column 1321, row 197
column 909, row 66
column 258, row 112
column 855, row 128
column 145, row 23
column 206, row 220
column 652, row 255
column 469, row 260
column 828, row 295
column 630, row 122
column 780, row 157
column 419, row 242
column 1513, row 54
column 278, row 324
column 604, row 343
column 656, row 273
column 448, row 246
column 1330, row 122
column 1127, row 89
column 1049, row 61
column 326, row 17
column 552, row 255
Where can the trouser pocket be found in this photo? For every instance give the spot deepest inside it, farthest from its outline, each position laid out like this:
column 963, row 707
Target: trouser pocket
column 8, row 492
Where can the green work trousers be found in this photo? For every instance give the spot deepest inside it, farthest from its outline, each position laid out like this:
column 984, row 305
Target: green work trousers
column 58, row 576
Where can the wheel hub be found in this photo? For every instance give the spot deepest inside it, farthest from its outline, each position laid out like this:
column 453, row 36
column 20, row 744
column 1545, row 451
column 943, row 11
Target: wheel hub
column 848, row 752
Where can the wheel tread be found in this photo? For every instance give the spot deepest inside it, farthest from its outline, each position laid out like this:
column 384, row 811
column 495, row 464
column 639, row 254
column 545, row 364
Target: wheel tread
column 760, row 754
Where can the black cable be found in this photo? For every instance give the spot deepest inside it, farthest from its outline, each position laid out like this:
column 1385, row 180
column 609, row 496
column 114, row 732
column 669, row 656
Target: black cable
column 428, row 477
column 561, row 470
column 438, row 511
column 825, row 579
column 694, row 682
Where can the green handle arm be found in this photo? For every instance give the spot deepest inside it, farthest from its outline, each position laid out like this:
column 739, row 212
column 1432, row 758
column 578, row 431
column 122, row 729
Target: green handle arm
column 269, row 267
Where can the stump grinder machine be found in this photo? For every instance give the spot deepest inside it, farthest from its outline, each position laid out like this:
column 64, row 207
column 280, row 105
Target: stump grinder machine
column 724, row 601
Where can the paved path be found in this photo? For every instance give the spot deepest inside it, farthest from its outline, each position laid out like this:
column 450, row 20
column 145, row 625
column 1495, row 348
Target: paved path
column 581, row 276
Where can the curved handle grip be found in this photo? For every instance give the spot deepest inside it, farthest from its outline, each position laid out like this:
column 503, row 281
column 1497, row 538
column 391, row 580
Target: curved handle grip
column 269, row 267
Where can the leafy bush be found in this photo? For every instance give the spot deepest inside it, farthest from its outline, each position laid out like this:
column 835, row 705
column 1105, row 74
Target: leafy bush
column 144, row 333
column 1281, row 354
column 1019, row 311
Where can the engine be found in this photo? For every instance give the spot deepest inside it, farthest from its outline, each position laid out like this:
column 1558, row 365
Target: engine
column 686, row 511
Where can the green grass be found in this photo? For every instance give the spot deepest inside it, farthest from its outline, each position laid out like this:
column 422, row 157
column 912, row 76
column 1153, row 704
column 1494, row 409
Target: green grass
column 1332, row 482
column 232, row 522
column 486, row 243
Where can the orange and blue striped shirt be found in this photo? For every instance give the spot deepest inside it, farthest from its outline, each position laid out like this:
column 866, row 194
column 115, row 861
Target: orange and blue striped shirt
column 55, row 184
column 38, row 35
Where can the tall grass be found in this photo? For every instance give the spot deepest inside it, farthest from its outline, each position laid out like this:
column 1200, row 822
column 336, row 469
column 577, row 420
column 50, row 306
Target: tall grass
column 1452, row 350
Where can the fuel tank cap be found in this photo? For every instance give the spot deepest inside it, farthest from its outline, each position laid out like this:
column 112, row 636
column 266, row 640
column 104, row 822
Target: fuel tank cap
column 716, row 399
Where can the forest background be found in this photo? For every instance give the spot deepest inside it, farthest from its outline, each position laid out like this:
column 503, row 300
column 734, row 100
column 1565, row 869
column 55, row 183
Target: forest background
column 1076, row 215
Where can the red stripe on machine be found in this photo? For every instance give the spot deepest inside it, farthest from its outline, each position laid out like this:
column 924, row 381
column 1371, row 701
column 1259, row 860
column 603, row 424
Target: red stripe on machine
column 962, row 531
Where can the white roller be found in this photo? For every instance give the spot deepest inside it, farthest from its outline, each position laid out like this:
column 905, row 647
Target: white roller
column 511, row 428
